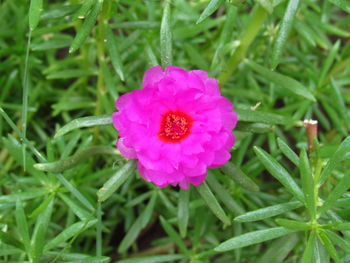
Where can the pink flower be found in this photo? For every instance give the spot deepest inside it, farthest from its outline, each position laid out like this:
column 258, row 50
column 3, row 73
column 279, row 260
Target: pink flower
column 177, row 126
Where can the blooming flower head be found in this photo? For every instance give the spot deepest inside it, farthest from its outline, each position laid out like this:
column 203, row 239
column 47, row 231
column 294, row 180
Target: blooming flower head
column 177, row 126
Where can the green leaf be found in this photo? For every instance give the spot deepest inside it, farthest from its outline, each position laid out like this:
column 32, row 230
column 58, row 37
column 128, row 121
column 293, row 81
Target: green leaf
column 183, row 211
column 339, row 102
column 329, row 246
column 84, row 122
column 39, row 235
column 268, row 212
column 282, row 81
column 86, row 28
column 135, row 229
column 337, row 192
column 284, row 31
column 239, row 176
column 279, row 173
column 70, row 162
column 10, row 240
column 337, row 240
column 98, row 259
column 254, row 127
column 328, row 62
column 12, row 198
column 116, row 181
column 288, row 152
column 264, row 117
column 224, row 195
column 69, row 232
column 307, row 184
column 166, row 37
column 267, row 4
column 22, row 226
column 35, row 9
column 112, row 49
column 252, row 238
column 175, row 237
column 211, row 8
column 343, row 4
column 79, row 211
column 293, row 224
column 153, row 259
column 213, row 203
column 308, row 255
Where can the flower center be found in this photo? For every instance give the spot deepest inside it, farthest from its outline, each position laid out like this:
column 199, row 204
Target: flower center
column 175, row 126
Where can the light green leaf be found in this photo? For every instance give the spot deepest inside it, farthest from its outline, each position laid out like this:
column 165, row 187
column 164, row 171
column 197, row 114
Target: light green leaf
column 268, row 212
column 68, row 233
column 282, row 81
column 279, row 173
column 211, row 8
column 308, row 255
column 183, row 211
column 153, row 259
column 293, row 224
column 112, row 49
column 84, row 122
column 166, row 37
column 288, row 152
column 252, row 238
column 284, row 31
column 239, row 177
column 86, row 28
column 338, row 191
column 213, row 203
column 343, row 4
column 35, row 9
column 329, row 246
column 22, row 226
column 116, row 181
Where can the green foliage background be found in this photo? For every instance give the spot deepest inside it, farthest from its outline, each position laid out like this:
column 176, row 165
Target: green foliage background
column 71, row 197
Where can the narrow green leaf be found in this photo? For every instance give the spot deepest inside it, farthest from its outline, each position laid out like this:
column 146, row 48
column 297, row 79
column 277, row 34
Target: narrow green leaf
column 293, row 224
column 112, row 49
column 282, row 81
column 70, row 162
column 183, row 211
column 339, row 102
column 343, row 4
column 268, row 212
column 328, row 62
column 308, row 255
column 140, row 223
column 42, row 206
column 84, row 122
column 288, row 152
column 264, row 117
column 213, row 203
column 10, row 240
column 86, row 28
column 339, row 241
column 224, row 195
column 75, row 192
column 84, row 9
column 166, row 37
column 175, row 237
column 68, row 233
column 153, row 259
column 79, row 211
column 239, row 176
column 307, row 184
column 90, row 260
column 284, row 31
column 35, row 9
column 23, row 195
column 267, row 4
column 116, row 181
column 211, row 8
column 279, row 173
column 337, row 192
column 39, row 235
column 252, row 238
column 329, row 246
column 337, row 157
column 23, row 229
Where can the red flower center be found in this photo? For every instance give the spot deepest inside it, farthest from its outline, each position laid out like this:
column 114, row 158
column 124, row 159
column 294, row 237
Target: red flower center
column 175, row 126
